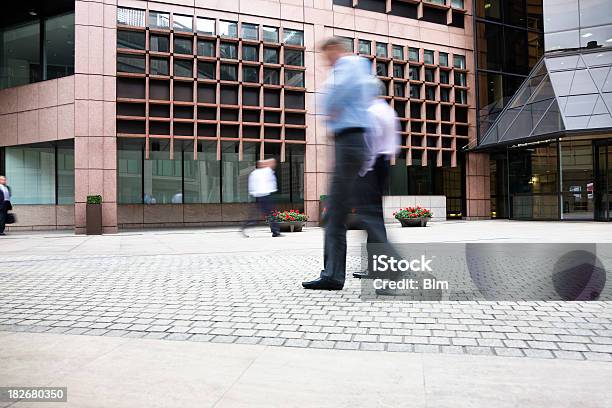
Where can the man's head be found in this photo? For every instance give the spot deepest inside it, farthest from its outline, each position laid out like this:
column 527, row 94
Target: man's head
column 3, row 180
column 333, row 49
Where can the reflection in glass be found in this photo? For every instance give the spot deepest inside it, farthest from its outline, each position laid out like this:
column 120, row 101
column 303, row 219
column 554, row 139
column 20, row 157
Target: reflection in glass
column 398, row 52
column 129, row 171
column 30, row 171
column 182, row 23
column 183, row 45
column 65, row 172
column 228, row 50
column 561, row 40
column 162, row 176
column 294, row 57
column 271, row 76
column 202, row 176
column 159, row 20
column 183, row 68
column 131, row 63
column 428, row 57
column 20, row 54
column 413, row 54
column 229, row 72
column 206, row 48
column 293, row 37
column 577, row 180
column 365, row 47
column 270, row 34
column 443, row 59
column 250, row 74
column 130, row 17
column 250, row 53
column 250, row 31
column 59, row 46
column 205, row 26
column 235, row 172
column 159, row 43
column 206, row 70
column 228, row 29
column 159, row 66
column 294, row 78
column 270, row 55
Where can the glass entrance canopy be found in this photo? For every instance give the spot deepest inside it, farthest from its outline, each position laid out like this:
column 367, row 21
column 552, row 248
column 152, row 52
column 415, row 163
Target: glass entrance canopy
column 566, row 92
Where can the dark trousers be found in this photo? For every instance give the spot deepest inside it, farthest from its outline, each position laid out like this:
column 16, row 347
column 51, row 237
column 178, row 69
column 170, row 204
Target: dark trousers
column 4, row 209
column 349, row 156
column 369, row 206
column 265, row 205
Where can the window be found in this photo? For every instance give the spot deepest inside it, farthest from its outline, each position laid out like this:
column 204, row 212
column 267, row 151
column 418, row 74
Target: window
column 459, row 61
column 413, row 54
column 415, row 91
column 228, row 29
column 460, row 79
column 430, row 75
column 294, row 78
column 271, row 76
column 294, row 57
column 365, row 47
column 228, row 50
column 398, row 52
column 162, row 176
column 183, row 45
column 182, row 23
column 159, row 20
column 235, row 172
column 229, row 72
column 31, row 173
column 461, row 96
column 381, row 50
column 130, row 17
column 131, row 63
column 129, row 171
column 381, row 69
column 65, row 172
column 202, row 177
column 250, row 31
column 59, row 46
column 348, row 43
column 458, row 4
column 293, row 37
column 159, row 66
column 430, row 93
column 270, row 55
column 414, row 73
column 206, row 48
column 398, row 89
column 398, row 71
column 445, row 94
column 250, row 74
column 206, row 70
column 205, row 26
column 250, row 53
column 444, row 77
column 20, row 55
column 270, row 34
column 159, row 43
column 428, row 57
column 443, row 59
column 183, row 68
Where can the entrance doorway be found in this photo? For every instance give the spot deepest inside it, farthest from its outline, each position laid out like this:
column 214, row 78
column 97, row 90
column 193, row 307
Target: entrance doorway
column 603, row 180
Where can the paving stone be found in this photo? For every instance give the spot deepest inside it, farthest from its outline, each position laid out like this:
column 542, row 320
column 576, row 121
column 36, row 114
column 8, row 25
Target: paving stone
column 371, row 346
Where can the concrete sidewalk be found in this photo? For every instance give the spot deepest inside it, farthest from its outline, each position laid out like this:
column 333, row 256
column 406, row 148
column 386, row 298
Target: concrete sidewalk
column 122, row 372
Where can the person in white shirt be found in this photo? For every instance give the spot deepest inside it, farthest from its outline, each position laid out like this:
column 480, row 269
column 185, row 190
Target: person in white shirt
column 5, row 203
column 262, row 183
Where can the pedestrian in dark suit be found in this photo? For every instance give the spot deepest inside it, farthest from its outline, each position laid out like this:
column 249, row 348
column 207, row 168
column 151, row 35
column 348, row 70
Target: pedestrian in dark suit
column 5, row 203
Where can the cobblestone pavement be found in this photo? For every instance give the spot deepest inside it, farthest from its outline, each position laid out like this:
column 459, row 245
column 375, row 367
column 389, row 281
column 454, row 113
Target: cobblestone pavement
column 255, row 298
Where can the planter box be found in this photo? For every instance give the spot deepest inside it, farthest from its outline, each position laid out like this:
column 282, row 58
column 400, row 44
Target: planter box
column 93, row 217
column 414, row 222
column 291, row 226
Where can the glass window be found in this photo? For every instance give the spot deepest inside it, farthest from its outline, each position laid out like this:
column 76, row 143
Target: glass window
column 365, row 47
column 458, row 4
column 382, row 69
column 294, row 78
column 490, row 52
column 130, row 17
column 562, row 40
column 250, row 74
column 160, row 43
column 428, row 57
column 445, row 94
column 293, row 37
column 398, row 71
column 182, row 23
column 561, row 15
column 163, row 182
column 131, row 63
column 30, row 171
column 159, row 66
column 250, row 31
column 444, row 77
column 415, row 91
column 413, row 54
column 202, row 176
column 430, row 93
column 129, row 171
column 460, row 79
column 206, row 48
column 398, row 52
column 270, row 55
column 235, row 172
column 602, row 36
column 228, row 50
column 205, row 26
column 381, row 50
column 443, row 59
column 294, row 57
column 65, row 173
column 348, row 43
column 183, row 45
column 229, row 72
column 271, row 76
column 270, row 34
column 461, row 96
column 250, row 52
column 20, row 54
column 228, row 29
column 398, row 89
column 459, row 61
column 183, row 68
column 430, row 75
column 206, row 70
column 159, row 20
column 59, row 45
column 414, row 73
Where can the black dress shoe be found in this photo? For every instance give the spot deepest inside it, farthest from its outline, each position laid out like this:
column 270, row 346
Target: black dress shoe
column 278, row 234
column 360, row 275
column 323, row 284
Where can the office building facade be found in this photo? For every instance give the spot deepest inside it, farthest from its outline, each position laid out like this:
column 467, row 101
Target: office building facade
column 163, row 107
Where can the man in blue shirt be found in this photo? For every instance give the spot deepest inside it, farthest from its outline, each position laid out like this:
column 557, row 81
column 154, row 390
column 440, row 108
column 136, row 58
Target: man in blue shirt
column 347, row 97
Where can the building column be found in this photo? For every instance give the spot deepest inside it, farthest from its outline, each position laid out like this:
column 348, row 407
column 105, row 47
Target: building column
column 478, row 186
column 95, row 105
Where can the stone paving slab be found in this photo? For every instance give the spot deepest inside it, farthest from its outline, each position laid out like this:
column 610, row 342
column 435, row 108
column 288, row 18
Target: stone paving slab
column 247, row 298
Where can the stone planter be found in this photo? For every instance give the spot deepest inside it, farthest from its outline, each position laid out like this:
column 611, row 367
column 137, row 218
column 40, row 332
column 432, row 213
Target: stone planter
column 414, row 222
column 290, row 226
column 93, row 217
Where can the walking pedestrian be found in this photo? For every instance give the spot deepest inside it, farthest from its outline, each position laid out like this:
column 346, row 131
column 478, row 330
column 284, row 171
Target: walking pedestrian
column 346, row 100
column 262, row 183
column 5, row 203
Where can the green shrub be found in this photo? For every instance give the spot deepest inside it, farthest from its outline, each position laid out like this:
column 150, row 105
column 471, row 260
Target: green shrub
column 94, row 199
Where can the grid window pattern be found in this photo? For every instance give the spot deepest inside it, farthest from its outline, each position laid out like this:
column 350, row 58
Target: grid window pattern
column 211, row 83
column 430, row 98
